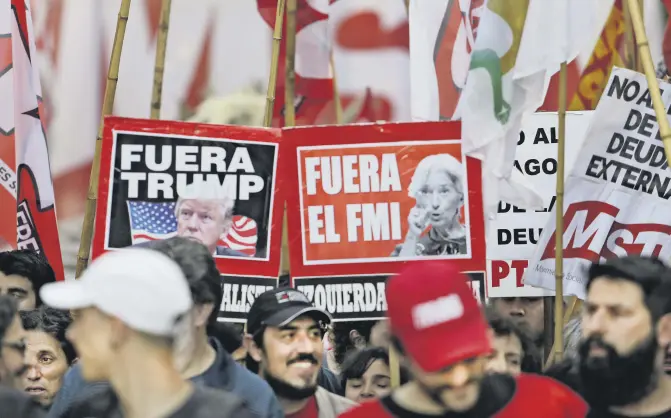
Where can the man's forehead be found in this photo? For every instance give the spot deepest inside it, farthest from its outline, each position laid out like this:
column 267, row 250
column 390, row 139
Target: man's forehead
column 613, row 290
column 303, row 321
column 15, row 280
column 199, row 203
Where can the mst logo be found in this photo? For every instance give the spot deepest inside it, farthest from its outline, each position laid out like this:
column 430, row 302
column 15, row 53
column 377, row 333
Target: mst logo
column 591, row 232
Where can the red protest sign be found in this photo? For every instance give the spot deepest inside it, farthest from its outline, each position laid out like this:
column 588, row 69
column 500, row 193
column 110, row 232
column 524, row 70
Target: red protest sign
column 363, row 199
column 218, row 185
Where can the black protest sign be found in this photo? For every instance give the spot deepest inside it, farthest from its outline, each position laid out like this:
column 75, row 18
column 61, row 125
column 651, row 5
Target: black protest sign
column 356, row 298
column 239, row 294
column 215, row 184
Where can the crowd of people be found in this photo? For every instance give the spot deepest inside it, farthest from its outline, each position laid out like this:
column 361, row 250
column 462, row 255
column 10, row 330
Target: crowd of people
column 137, row 336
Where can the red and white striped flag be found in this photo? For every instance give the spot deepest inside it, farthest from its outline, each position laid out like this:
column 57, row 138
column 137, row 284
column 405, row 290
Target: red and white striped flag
column 27, row 208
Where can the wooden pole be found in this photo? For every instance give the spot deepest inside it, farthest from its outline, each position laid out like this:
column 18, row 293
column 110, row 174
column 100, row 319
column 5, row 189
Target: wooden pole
column 629, row 46
column 274, row 61
column 548, row 327
column 336, row 94
column 573, row 308
column 394, row 368
column 559, row 229
column 639, row 60
column 290, row 68
column 159, row 64
column 107, row 109
column 289, row 113
column 651, row 76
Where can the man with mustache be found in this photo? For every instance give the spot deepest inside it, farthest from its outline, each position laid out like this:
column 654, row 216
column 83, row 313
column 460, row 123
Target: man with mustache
column 285, row 337
column 443, row 339
column 626, row 326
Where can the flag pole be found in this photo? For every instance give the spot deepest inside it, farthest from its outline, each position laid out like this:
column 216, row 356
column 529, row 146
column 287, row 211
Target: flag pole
column 107, row 109
column 559, row 229
column 159, row 64
column 336, row 94
column 650, row 76
column 290, row 68
column 274, row 61
column 629, row 46
column 289, row 111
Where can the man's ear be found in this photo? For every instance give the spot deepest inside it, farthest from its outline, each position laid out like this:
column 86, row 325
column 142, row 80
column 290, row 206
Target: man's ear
column 252, row 349
column 119, row 333
column 663, row 329
column 202, row 314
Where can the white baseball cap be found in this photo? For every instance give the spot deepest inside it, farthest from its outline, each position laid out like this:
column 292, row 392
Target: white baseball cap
column 143, row 288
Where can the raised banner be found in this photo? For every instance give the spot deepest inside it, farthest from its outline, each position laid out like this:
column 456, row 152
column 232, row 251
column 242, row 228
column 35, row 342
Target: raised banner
column 367, row 198
column 515, row 232
column 617, row 194
column 215, row 184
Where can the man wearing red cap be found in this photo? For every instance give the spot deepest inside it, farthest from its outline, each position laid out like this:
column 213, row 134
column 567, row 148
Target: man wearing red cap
column 443, row 338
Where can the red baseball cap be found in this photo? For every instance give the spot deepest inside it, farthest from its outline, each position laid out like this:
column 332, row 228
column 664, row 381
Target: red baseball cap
column 433, row 312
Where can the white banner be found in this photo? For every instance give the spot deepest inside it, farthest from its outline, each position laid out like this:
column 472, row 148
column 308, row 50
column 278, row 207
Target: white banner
column 513, row 235
column 617, row 195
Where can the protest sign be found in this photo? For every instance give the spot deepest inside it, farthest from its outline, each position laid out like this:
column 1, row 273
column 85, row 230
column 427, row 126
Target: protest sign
column 215, row 184
column 356, row 298
column 617, row 194
column 514, row 233
column 368, row 197
column 239, row 293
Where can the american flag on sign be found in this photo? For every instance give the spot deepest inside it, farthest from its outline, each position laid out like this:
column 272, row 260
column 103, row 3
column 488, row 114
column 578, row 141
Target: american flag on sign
column 152, row 221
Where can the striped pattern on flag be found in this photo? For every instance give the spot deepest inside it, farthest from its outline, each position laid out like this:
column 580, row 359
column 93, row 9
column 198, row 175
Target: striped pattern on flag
column 152, row 221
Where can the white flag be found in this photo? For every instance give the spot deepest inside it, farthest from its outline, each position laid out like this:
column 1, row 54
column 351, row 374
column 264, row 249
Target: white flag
column 518, row 48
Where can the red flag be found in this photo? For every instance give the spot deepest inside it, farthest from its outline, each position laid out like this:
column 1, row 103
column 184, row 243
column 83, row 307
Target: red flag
column 27, row 209
column 314, row 82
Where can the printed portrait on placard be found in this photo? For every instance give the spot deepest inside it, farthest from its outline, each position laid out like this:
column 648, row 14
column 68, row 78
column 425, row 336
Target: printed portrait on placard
column 384, row 202
column 216, row 191
column 435, row 224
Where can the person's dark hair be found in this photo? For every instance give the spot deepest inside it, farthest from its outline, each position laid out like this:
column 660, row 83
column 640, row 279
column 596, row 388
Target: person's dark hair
column 357, row 362
column 503, row 327
column 343, row 344
column 228, row 335
column 650, row 273
column 199, row 268
column 55, row 323
column 29, row 264
column 8, row 310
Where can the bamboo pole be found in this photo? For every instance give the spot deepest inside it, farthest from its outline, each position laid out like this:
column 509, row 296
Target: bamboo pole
column 290, row 68
column 573, row 308
column 639, row 59
column 629, row 46
column 289, row 112
column 548, row 327
column 394, row 368
column 108, row 106
column 159, row 64
column 274, row 61
column 336, row 94
column 650, row 76
column 559, row 229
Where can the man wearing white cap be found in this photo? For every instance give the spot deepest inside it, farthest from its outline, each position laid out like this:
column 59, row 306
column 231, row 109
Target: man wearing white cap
column 128, row 308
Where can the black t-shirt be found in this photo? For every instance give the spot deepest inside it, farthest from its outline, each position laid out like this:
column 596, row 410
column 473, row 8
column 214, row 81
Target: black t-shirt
column 203, row 403
column 16, row 404
column 602, row 414
column 496, row 391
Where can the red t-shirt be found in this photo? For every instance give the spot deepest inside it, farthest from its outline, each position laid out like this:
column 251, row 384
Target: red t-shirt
column 528, row 396
column 309, row 410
